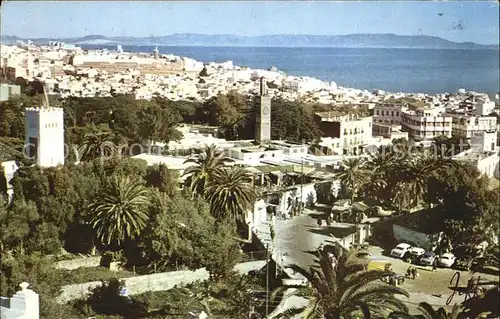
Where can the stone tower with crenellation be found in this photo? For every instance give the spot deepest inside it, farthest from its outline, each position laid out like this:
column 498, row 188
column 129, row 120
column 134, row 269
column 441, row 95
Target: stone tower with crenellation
column 45, row 134
column 263, row 123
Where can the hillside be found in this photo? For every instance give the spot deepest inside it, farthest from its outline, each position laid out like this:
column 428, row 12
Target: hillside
column 339, row 41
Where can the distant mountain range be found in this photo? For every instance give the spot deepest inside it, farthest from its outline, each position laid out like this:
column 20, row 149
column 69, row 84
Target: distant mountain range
column 287, row 40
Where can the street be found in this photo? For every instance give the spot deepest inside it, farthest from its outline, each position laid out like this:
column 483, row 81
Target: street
column 297, row 238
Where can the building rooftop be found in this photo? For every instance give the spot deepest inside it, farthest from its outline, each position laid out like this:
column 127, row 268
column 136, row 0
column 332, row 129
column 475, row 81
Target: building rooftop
column 257, row 149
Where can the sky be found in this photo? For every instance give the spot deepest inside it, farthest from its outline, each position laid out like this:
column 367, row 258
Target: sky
column 460, row 21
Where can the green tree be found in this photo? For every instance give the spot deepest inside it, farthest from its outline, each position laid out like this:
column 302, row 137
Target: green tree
column 11, row 114
column 354, row 176
column 120, row 213
column 108, row 300
column 158, row 124
column 291, row 121
column 205, row 165
column 182, row 232
column 231, row 194
column 382, row 165
column 95, row 145
column 416, row 172
column 342, row 288
column 221, row 111
column 165, row 180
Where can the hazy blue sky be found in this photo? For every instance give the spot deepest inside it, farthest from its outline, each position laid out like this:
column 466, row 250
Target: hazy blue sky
column 480, row 20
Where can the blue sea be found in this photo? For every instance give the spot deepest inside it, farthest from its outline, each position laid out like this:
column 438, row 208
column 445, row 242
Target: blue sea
column 393, row 70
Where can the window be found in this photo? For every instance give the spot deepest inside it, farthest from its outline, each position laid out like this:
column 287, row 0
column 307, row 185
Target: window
column 376, row 112
column 392, row 113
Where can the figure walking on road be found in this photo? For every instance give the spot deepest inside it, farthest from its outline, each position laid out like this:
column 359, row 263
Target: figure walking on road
column 434, row 264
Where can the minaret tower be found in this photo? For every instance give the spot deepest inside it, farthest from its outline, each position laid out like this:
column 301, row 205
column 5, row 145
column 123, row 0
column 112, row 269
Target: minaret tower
column 263, row 123
column 45, row 134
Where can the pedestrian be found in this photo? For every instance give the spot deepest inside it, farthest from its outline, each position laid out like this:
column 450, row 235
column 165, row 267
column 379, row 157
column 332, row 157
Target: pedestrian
column 328, row 222
column 434, row 264
column 408, row 272
column 413, row 272
column 320, row 222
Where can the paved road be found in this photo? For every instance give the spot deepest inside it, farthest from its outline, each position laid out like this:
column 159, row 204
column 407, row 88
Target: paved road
column 296, row 238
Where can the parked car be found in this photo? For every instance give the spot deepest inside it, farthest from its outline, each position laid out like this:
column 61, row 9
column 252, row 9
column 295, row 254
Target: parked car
column 463, row 262
column 416, row 253
column 428, row 258
column 447, row 260
column 400, row 251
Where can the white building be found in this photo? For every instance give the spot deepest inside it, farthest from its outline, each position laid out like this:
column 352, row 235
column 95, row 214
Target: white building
column 192, row 138
column 45, row 135
column 486, row 162
column 255, row 155
column 345, row 133
column 23, row 305
column 9, row 168
column 426, row 123
column 465, row 126
column 483, row 154
column 484, row 107
column 484, row 141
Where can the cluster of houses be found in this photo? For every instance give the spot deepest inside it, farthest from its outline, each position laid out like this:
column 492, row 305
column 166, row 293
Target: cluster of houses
column 68, row 70
column 376, row 119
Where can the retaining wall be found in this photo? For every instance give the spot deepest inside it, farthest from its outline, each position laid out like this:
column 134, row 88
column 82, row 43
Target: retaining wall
column 153, row 282
column 78, row 263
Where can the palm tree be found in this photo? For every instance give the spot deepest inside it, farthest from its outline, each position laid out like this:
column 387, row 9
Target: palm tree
column 416, row 173
column 95, row 145
column 382, row 166
column 429, row 313
column 344, row 288
column 205, row 165
column 120, row 212
column 230, row 193
column 354, row 175
column 402, row 198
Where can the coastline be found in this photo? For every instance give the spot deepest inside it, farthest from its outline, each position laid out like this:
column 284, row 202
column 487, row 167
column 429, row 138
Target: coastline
column 347, row 67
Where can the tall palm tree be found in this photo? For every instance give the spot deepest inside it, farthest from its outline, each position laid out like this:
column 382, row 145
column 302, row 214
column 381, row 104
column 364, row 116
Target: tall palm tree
column 204, row 166
column 120, row 212
column 95, row 145
column 354, row 176
column 382, row 165
column 230, row 193
column 416, row 173
column 342, row 287
column 403, row 197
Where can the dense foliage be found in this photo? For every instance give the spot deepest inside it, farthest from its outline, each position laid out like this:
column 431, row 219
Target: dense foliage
column 126, row 120
column 405, row 178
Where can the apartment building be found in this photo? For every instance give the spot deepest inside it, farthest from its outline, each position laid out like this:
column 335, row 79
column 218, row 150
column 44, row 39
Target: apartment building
column 345, row 134
column 483, row 154
column 423, row 124
column 465, row 126
column 388, row 114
